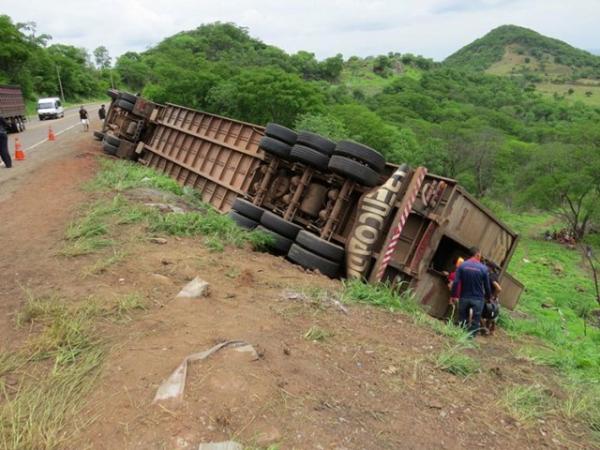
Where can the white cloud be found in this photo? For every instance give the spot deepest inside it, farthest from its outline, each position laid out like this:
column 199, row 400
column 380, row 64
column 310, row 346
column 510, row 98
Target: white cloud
column 433, row 28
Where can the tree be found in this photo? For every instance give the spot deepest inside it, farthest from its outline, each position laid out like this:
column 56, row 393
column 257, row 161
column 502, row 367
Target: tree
column 29, row 29
column 331, row 68
column 482, row 149
column 102, row 58
column 15, row 54
column 382, row 65
column 323, row 124
column 134, row 72
column 78, row 78
column 263, row 95
column 564, row 179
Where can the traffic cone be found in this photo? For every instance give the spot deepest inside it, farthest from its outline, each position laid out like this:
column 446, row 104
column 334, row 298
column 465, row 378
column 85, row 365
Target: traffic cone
column 19, row 153
column 51, row 135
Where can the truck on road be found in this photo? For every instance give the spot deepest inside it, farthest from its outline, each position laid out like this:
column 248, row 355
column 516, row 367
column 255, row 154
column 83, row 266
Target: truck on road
column 335, row 207
column 12, row 107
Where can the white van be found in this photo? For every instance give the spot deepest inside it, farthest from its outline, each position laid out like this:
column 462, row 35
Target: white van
column 50, row 108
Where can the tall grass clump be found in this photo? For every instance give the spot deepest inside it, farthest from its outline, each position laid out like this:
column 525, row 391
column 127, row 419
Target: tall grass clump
column 526, row 403
column 218, row 229
column 399, row 299
column 42, row 411
column 454, row 360
column 382, row 295
column 123, row 175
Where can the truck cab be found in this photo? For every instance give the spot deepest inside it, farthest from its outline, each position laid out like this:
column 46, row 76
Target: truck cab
column 50, row 108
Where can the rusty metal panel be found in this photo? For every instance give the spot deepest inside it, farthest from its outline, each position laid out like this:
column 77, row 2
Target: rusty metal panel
column 433, row 292
column 11, row 101
column 215, row 155
column 511, row 291
column 473, row 226
column 408, row 239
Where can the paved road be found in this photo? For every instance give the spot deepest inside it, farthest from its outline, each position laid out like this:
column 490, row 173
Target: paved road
column 37, row 131
column 70, row 138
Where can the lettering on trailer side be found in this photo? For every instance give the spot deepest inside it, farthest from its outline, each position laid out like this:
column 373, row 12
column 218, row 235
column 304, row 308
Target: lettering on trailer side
column 373, row 210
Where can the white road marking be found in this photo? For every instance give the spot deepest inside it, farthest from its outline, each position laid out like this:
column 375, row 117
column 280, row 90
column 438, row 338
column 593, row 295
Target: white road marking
column 56, row 134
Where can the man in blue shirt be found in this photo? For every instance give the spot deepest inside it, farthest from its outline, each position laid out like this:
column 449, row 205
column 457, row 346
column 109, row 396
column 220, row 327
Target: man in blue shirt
column 473, row 278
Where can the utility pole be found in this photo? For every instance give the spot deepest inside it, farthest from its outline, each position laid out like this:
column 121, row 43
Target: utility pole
column 62, row 94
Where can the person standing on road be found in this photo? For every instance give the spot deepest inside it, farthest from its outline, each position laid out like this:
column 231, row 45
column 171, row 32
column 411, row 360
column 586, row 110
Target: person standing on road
column 4, row 154
column 83, row 115
column 102, row 113
column 474, row 281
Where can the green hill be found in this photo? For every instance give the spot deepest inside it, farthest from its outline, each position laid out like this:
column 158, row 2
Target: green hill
column 510, row 49
column 551, row 66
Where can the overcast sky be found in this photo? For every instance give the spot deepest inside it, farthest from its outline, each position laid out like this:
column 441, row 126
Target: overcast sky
column 433, row 28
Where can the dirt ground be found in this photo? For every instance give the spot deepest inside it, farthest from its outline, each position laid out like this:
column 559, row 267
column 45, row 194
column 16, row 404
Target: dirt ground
column 371, row 383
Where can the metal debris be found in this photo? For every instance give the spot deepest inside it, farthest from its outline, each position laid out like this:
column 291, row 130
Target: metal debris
column 194, row 289
column 172, row 388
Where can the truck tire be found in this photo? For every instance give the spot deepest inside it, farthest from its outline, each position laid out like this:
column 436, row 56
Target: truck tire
column 242, row 221
column 282, row 133
column 41, row 118
column 354, row 170
column 316, row 142
column 124, row 104
column 280, row 225
column 23, row 126
column 310, row 157
column 98, row 135
column 275, row 147
column 320, row 246
column 248, row 209
column 109, row 149
column 112, row 140
column 128, row 97
column 113, row 94
column 281, row 245
column 312, row 261
column 354, row 150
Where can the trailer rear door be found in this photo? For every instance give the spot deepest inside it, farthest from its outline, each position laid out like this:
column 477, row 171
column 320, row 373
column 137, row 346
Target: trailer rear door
column 511, row 291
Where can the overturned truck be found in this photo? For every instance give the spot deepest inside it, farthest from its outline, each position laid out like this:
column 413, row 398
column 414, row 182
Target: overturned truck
column 335, row 207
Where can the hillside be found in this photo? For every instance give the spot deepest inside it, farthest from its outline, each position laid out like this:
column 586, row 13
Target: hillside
column 510, row 46
column 92, row 327
column 554, row 67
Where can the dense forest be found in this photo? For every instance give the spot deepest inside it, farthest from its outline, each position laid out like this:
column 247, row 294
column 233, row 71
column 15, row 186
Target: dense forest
column 499, row 137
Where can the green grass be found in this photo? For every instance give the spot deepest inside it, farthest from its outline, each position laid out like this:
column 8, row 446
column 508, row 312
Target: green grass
column 578, row 94
column 526, row 403
column 558, row 293
column 128, row 304
column 384, row 296
column 43, row 410
column 123, row 175
column 316, row 333
column 454, row 360
column 101, row 218
column 365, row 80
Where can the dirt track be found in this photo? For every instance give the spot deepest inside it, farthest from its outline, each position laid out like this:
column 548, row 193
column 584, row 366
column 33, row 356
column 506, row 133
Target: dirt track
column 371, row 384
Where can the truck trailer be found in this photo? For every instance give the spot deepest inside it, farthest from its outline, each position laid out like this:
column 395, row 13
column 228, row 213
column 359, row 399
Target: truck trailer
column 335, row 207
column 12, row 107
